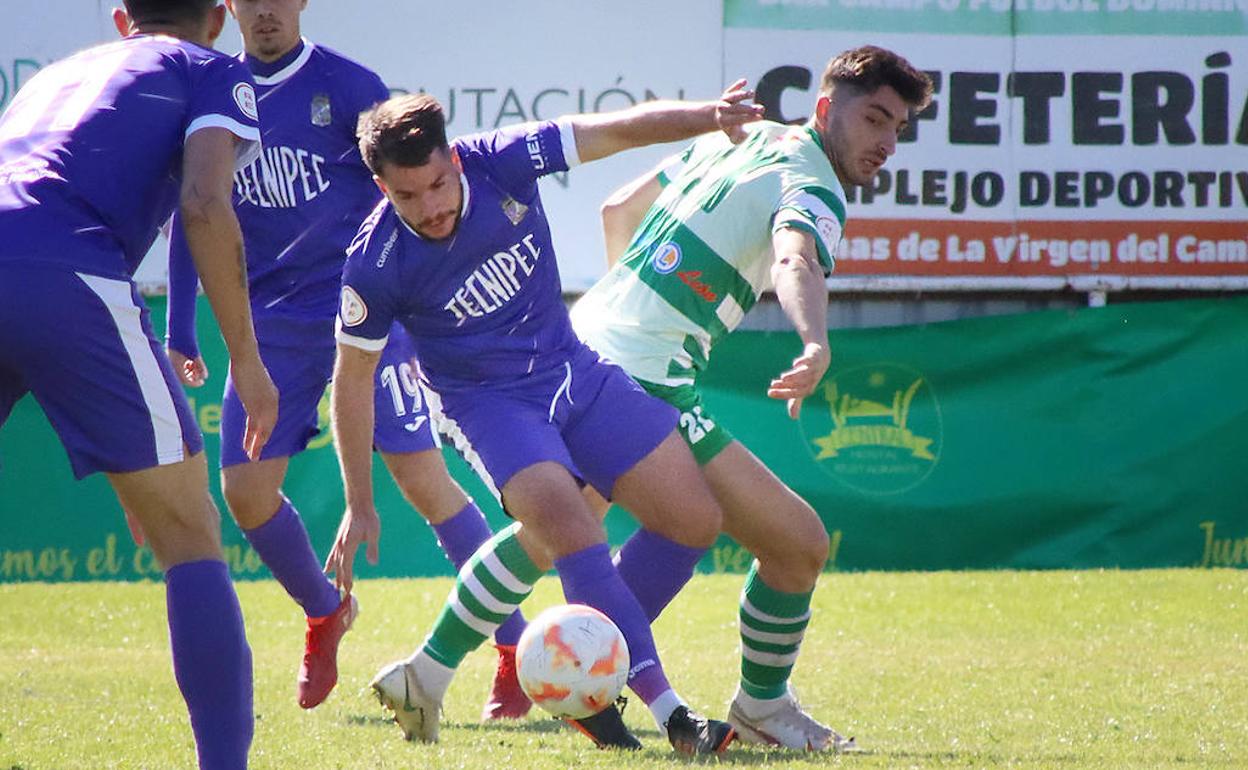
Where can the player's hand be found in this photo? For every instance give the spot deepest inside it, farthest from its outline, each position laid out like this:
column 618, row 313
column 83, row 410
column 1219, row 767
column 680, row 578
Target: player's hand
column 192, row 372
column 259, row 397
column 732, row 112
column 358, row 526
column 800, row 380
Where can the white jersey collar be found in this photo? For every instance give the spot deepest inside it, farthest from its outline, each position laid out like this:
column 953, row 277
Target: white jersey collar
column 289, row 69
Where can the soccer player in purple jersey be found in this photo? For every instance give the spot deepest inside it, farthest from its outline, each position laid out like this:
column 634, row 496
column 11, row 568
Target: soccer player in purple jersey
column 460, row 254
column 95, row 152
column 300, row 204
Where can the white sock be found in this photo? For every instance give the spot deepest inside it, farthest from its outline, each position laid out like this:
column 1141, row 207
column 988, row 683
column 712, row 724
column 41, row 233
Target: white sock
column 756, row 707
column 663, row 706
column 434, row 677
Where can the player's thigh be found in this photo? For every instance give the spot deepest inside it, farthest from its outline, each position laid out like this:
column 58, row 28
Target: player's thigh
column 300, row 374
column 666, row 493
column 173, row 506
column 547, row 500
column 763, row 514
column 613, row 425
column 84, row 347
column 500, row 434
column 426, row 484
column 252, row 490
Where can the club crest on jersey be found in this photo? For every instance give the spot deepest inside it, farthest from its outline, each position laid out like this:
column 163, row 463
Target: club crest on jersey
column 514, row 209
column 666, row 258
column 245, row 98
column 352, row 309
column 321, row 113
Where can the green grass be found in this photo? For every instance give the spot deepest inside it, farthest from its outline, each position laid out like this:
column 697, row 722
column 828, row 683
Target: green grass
column 997, row 669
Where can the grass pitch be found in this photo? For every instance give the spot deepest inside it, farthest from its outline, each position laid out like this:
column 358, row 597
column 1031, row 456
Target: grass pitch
column 975, row 669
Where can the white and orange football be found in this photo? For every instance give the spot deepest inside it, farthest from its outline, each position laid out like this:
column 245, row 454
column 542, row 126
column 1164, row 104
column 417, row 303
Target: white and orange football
column 572, row 661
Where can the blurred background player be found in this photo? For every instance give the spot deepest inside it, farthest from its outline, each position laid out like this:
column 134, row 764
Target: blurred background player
column 94, row 154
column 300, row 204
column 460, row 253
column 719, row 225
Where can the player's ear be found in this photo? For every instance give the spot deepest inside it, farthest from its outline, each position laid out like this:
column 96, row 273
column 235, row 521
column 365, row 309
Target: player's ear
column 121, row 20
column 822, row 104
column 459, row 164
column 217, row 24
column 381, row 185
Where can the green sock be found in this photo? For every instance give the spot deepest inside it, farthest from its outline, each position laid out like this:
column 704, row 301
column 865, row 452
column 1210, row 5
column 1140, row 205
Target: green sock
column 772, row 626
column 490, row 586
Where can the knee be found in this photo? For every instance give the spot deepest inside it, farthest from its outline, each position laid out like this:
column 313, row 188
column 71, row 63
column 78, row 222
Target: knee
column 247, row 505
column 697, row 524
column 800, row 554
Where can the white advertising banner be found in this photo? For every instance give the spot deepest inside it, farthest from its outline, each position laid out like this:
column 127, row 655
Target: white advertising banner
column 489, row 63
column 1067, row 138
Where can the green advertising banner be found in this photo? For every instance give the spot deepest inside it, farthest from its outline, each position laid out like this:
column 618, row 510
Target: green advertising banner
column 1109, row 437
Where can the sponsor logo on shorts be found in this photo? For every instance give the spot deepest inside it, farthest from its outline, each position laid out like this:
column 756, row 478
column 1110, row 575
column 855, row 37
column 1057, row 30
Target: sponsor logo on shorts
column 352, row 309
column 666, row 258
column 880, row 431
column 245, row 98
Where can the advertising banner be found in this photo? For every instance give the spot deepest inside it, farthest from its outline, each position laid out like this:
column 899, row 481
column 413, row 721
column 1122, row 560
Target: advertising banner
column 1112, row 437
column 1066, row 138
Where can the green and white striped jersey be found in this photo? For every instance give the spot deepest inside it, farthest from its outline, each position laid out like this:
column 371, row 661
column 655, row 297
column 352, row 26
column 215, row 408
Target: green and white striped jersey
column 702, row 255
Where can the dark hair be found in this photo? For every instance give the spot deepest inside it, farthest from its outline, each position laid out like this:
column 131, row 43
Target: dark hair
column 868, row 68
column 403, row 130
column 168, row 11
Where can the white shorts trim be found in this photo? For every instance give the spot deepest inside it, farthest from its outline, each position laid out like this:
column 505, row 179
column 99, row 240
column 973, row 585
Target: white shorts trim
column 166, row 427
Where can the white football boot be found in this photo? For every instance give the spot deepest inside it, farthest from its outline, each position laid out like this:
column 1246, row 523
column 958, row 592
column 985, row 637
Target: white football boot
column 399, row 690
column 782, row 722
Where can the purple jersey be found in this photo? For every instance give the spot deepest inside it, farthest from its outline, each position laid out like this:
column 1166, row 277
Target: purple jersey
column 91, row 148
column 301, row 202
column 484, row 306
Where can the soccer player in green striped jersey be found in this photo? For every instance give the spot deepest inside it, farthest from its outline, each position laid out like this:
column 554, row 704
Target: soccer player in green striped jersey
column 693, row 244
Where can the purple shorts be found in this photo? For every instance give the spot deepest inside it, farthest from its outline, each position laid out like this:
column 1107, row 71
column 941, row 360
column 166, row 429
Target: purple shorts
column 299, row 355
column 83, row 346
column 588, row 416
column 400, row 410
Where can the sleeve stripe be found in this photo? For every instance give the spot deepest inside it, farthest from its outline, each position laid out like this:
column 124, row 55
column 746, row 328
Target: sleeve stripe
column 567, row 137
column 826, row 256
column 247, row 150
column 363, row 343
column 242, row 131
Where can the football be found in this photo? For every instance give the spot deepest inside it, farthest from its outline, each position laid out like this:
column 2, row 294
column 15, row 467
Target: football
column 572, row 661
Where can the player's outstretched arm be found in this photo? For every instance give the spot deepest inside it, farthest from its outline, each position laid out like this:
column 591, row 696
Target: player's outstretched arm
column 624, row 209
column 604, row 134
column 216, row 245
column 351, row 417
column 803, row 296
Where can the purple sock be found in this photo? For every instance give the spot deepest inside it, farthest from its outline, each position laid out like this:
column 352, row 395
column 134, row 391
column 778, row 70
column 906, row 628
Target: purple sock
column 283, row 545
column 211, row 660
column 655, row 569
column 460, row 536
column 590, row 578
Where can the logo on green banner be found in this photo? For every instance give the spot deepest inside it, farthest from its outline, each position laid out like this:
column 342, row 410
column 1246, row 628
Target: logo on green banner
column 874, row 428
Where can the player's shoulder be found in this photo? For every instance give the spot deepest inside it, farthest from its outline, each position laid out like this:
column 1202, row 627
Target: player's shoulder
column 332, row 61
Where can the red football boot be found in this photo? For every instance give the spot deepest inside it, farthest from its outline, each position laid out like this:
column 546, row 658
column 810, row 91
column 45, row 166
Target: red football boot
column 507, row 700
column 319, row 672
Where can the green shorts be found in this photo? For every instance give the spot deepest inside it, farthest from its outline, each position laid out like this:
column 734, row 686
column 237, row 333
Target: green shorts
column 704, row 435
